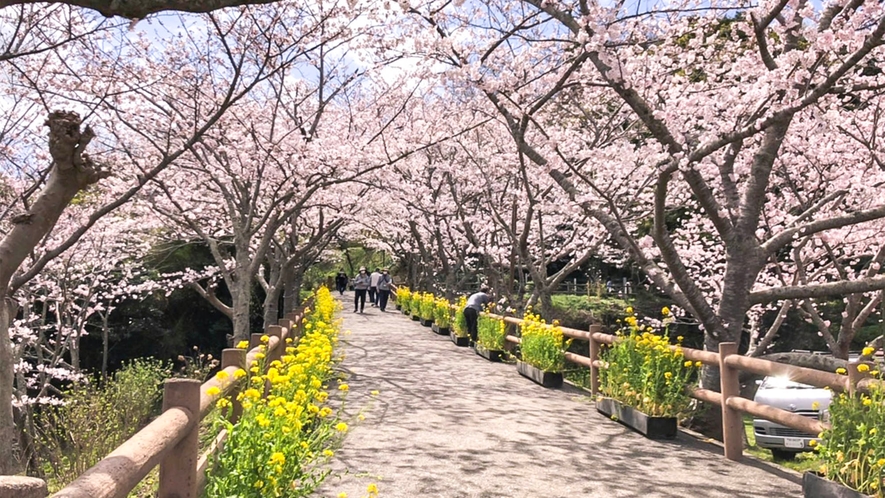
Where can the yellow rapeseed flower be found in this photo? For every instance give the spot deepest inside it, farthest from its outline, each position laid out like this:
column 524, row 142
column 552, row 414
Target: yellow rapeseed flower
column 277, row 458
column 867, row 351
column 863, row 367
column 243, row 344
column 342, row 495
column 341, row 427
column 222, row 403
column 375, row 393
column 343, row 387
column 372, row 488
column 841, row 371
column 328, row 453
column 221, row 375
column 665, row 311
column 265, row 338
column 213, row 391
column 239, row 373
column 687, row 364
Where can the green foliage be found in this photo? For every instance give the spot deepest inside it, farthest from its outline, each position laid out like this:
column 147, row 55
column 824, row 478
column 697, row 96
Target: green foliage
column 426, row 306
column 491, row 333
column 641, row 370
column 542, row 345
column 853, row 449
column 96, row 418
column 404, row 299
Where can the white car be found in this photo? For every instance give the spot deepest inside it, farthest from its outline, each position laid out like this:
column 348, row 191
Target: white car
column 802, row 399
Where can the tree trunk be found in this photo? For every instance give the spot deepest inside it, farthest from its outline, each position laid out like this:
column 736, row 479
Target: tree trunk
column 292, row 298
column 9, row 456
column 105, row 333
column 241, row 297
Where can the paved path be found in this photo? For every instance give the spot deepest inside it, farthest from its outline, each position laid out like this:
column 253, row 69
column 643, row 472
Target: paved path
column 447, row 423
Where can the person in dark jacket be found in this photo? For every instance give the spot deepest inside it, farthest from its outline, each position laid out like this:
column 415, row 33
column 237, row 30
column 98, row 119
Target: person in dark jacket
column 474, row 306
column 341, row 282
column 360, row 287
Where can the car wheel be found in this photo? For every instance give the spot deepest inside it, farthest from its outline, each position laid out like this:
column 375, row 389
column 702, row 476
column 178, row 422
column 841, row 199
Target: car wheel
column 783, row 455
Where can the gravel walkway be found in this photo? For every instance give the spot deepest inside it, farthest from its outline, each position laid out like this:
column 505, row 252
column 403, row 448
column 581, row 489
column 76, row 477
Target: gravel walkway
column 448, row 423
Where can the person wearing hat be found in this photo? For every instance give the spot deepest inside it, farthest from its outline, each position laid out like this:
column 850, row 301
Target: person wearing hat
column 384, row 282
column 360, row 286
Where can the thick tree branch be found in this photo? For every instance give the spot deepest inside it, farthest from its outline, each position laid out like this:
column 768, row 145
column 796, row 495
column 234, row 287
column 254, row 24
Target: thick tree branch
column 139, row 9
column 818, row 290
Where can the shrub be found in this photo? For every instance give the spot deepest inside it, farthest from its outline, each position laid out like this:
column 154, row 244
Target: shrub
column 490, row 332
column 853, row 449
column 426, row 306
column 279, row 445
column 460, row 323
column 442, row 313
column 542, row 345
column 96, row 418
column 641, row 370
column 404, row 298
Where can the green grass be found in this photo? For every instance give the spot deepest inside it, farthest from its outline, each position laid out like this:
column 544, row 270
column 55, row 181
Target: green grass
column 803, row 462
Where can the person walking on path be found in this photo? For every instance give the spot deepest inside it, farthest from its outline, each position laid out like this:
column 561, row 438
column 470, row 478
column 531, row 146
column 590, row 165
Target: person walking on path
column 373, row 286
column 341, row 282
column 384, row 282
column 471, row 312
column 360, row 286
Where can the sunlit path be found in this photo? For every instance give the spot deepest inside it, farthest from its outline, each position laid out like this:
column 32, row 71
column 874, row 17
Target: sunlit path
column 447, row 423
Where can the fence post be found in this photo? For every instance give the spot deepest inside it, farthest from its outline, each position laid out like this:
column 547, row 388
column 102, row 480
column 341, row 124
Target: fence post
column 594, row 356
column 287, row 328
column 178, row 470
column 275, row 331
column 234, row 357
column 254, row 341
column 22, row 487
column 732, row 421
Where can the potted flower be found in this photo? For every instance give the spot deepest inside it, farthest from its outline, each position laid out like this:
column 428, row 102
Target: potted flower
column 442, row 316
column 458, row 330
column 425, row 309
column 643, row 379
column 853, row 448
column 415, row 306
column 490, row 337
column 542, row 349
column 403, row 299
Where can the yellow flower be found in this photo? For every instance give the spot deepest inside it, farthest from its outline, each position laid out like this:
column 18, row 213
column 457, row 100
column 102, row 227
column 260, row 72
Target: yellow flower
column 259, row 356
column 265, row 338
column 629, row 310
column 221, row 375
column 343, row 387
column 222, row 403
column 867, row 402
column 679, row 338
column 262, row 420
column 372, row 488
column 375, row 393
column 698, row 364
column 812, row 443
column 687, row 364
column 243, row 344
column 239, row 373
column 328, row 453
column 863, row 367
column 867, row 351
column 668, row 374
column 213, row 391
column 277, row 458
column 815, row 406
column 665, row 311
column 841, row 371
column 258, row 484
column 342, row 495
column 881, row 462
column 341, row 427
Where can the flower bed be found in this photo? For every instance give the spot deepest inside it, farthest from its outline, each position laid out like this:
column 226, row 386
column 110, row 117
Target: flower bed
column 404, row 299
column 542, row 345
column 426, row 307
column 853, row 449
column 641, row 370
column 281, row 443
column 491, row 333
column 459, row 323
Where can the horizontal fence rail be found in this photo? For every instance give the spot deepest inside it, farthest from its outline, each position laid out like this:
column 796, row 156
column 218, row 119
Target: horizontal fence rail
column 172, row 439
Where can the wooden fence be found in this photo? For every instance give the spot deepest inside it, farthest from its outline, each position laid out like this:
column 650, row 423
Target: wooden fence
column 172, row 439
column 730, row 364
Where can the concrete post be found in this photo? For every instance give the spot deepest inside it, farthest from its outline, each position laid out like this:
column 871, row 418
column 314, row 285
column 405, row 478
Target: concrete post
column 178, row 470
column 287, row 329
column 22, row 487
column 254, row 341
column 275, row 331
column 233, row 357
column 594, row 356
column 732, row 421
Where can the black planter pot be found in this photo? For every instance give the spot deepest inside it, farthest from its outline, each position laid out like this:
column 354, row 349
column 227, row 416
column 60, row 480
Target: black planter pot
column 489, row 354
column 815, row 486
column 404, row 312
column 398, row 307
column 426, row 323
column 542, row 377
column 439, row 330
column 458, row 340
column 650, row 427
column 416, row 318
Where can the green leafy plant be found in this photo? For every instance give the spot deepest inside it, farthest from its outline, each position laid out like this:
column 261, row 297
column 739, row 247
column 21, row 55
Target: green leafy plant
column 491, row 332
column 442, row 313
column 642, row 370
column 96, row 418
column 853, row 449
column 542, row 345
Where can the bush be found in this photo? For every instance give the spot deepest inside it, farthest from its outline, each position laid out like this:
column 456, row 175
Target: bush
column 460, row 323
column 491, row 332
column 442, row 313
column 279, row 445
column 404, row 298
column 542, row 345
column 853, row 449
column 96, row 418
column 426, row 306
column 641, row 370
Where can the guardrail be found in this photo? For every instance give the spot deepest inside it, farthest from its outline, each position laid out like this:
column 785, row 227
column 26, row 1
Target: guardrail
column 172, row 439
column 730, row 364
